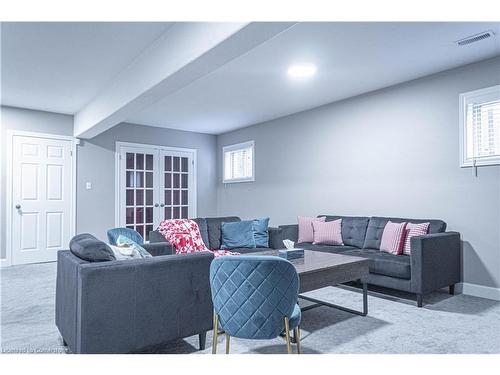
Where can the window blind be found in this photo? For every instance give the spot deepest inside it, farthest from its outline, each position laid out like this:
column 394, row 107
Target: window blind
column 238, row 163
column 481, row 126
column 483, row 122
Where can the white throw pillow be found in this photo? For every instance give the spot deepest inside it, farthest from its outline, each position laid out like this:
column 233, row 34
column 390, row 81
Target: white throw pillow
column 125, row 252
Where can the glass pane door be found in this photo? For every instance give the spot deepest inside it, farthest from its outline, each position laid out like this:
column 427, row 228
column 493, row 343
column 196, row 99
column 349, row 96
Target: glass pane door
column 155, row 184
column 177, row 197
column 139, row 169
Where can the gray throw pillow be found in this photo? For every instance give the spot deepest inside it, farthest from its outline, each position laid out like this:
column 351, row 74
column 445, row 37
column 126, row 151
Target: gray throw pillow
column 85, row 246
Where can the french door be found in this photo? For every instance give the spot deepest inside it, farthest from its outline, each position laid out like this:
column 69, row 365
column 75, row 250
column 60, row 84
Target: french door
column 155, row 183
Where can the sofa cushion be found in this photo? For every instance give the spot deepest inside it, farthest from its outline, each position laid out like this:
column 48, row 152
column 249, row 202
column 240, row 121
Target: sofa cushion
column 353, row 229
column 213, row 228
column 384, row 263
column 125, row 241
column 412, row 230
column 306, row 233
column 393, row 238
column 85, row 246
column 376, row 227
column 237, row 234
column 324, row 248
column 327, row 233
column 202, row 224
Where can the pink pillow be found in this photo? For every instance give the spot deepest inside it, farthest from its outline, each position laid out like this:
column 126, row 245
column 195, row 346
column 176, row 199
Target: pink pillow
column 327, row 233
column 393, row 238
column 413, row 229
column 306, row 228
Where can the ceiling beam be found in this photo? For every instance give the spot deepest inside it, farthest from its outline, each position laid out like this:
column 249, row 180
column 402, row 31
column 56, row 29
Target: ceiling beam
column 183, row 54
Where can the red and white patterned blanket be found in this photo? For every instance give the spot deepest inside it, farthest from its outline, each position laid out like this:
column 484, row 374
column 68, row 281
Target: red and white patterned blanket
column 185, row 237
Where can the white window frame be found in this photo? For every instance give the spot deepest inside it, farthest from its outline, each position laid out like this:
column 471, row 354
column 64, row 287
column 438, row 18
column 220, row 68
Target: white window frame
column 238, row 146
column 464, row 99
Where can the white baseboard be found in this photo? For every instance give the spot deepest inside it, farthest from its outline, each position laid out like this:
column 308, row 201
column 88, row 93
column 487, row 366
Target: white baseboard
column 4, row 262
column 480, row 291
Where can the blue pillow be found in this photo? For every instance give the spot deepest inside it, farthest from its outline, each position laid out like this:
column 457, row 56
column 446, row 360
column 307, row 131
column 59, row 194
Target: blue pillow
column 260, row 233
column 237, row 234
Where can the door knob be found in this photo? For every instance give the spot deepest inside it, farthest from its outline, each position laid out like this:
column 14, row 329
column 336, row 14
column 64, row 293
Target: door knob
column 18, row 206
column 162, row 205
column 156, row 204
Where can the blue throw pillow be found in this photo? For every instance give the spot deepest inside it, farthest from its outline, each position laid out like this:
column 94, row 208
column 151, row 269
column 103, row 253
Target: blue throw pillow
column 237, row 234
column 260, row 232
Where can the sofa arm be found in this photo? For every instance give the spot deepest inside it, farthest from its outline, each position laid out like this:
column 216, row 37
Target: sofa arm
column 67, row 296
column 128, row 305
column 159, row 248
column 435, row 261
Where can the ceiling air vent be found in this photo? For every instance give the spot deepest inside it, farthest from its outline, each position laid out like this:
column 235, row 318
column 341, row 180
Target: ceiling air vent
column 475, row 38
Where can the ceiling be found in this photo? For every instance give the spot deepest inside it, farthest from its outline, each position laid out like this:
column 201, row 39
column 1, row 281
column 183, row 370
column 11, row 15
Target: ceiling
column 351, row 58
column 60, row 67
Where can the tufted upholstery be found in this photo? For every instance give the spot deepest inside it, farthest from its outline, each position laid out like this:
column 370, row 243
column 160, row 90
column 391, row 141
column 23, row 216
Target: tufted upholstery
column 377, row 224
column 114, row 233
column 353, row 229
column 252, row 295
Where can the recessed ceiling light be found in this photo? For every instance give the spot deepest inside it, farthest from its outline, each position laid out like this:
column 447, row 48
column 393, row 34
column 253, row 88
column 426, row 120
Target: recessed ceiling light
column 302, row 70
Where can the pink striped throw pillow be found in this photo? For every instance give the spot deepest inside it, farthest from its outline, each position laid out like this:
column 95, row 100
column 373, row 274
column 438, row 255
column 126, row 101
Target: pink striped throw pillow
column 327, row 233
column 393, row 238
column 306, row 228
column 413, row 229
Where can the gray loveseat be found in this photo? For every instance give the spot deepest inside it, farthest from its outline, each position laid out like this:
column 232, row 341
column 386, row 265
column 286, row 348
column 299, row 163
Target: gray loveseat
column 130, row 305
column 434, row 262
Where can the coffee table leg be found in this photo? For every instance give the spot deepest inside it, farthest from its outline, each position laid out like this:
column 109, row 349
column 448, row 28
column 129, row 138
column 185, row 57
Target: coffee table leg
column 318, row 303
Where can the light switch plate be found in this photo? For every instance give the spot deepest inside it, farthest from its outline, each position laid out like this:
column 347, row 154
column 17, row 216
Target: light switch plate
column 88, row 185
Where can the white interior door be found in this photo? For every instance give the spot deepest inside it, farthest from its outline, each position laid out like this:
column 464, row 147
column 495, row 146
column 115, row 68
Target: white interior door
column 41, row 198
column 155, row 183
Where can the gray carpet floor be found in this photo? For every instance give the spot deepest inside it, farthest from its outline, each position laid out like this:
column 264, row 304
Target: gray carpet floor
column 446, row 324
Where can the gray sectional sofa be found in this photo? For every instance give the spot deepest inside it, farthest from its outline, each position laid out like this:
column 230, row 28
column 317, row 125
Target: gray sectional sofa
column 434, row 262
column 130, row 305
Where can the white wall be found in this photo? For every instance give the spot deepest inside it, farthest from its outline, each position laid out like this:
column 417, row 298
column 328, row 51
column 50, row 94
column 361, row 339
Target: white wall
column 393, row 152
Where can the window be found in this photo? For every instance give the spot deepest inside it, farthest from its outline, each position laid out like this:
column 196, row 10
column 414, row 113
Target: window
column 239, row 162
column 480, row 127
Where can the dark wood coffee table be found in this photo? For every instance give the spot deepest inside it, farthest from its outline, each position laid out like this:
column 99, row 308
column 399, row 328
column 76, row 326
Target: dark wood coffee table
column 317, row 270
